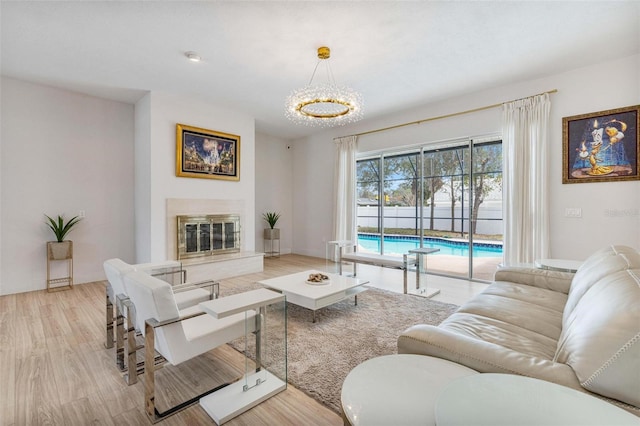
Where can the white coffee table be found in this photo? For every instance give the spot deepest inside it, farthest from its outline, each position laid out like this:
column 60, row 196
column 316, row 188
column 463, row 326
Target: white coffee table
column 506, row 399
column 397, row 389
column 315, row 296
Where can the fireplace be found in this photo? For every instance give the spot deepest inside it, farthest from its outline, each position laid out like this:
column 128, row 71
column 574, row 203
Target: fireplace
column 207, row 235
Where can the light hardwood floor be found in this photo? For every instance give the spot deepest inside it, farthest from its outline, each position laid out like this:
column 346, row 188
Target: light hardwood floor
column 54, row 368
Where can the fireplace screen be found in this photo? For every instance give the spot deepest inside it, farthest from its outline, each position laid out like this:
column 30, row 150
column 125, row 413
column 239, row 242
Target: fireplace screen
column 206, row 235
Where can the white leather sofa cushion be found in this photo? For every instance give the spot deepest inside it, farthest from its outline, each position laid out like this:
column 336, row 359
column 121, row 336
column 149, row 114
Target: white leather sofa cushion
column 601, row 340
column 510, row 302
column 507, row 335
column 600, row 264
column 503, row 315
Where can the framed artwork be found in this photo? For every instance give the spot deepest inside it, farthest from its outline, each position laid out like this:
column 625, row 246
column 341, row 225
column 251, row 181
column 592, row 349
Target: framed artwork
column 202, row 153
column 601, row 146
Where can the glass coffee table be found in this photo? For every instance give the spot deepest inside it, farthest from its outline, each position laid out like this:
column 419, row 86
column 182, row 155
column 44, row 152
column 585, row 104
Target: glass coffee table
column 314, row 296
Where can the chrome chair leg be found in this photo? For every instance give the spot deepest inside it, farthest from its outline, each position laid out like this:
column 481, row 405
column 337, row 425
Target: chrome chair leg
column 132, row 347
column 109, row 322
column 120, row 342
column 149, row 374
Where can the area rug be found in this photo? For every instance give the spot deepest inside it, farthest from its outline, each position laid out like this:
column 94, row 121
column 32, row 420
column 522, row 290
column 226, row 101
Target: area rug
column 321, row 354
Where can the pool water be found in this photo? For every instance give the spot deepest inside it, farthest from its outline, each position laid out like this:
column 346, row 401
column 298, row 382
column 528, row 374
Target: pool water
column 399, row 245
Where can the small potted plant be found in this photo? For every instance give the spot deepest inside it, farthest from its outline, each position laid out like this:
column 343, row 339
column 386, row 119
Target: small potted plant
column 61, row 249
column 271, row 233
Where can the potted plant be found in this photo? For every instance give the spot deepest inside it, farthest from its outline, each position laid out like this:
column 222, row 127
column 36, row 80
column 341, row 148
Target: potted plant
column 61, row 249
column 271, row 233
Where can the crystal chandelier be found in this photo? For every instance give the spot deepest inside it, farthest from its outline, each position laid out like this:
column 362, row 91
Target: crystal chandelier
column 326, row 104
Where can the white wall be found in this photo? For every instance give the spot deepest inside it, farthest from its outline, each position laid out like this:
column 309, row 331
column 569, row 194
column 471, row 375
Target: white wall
column 274, row 186
column 313, row 161
column 599, row 87
column 63, row 152
column 156, row 162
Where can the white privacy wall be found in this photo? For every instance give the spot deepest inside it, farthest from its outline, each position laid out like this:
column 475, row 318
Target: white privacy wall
column 63, row 152
column 156, row 116
column 610, row 210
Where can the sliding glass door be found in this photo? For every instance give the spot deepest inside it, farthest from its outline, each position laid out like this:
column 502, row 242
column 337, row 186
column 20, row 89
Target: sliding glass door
column 401, row 206
column 485, row 208
column 445, row 217
column 447, row 196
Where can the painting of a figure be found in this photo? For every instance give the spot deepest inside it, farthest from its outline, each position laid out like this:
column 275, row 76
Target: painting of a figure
column 206, row 154
column 601, row 146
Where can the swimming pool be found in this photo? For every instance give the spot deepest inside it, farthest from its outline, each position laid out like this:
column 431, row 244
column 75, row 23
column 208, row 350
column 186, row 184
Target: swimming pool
column 400, row 244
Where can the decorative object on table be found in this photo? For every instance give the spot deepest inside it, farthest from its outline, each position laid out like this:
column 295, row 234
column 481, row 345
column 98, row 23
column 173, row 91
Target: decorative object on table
column 324, row 104
column 318, row 279
column 60, row 249
column 271, row 234
column 208, row 154
column 602, row 146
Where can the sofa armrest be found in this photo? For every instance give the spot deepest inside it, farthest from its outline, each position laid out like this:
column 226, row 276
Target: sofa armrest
column 482, row 356
column 542, row 278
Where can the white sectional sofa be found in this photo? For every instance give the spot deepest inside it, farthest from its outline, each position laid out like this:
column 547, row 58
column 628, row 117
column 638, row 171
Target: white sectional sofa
column 580, row 330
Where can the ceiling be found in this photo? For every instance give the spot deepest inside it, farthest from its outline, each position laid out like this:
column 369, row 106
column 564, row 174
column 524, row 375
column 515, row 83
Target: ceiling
column 397, row 54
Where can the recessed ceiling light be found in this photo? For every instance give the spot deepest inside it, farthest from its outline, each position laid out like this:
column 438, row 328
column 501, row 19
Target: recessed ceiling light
column 193, row 56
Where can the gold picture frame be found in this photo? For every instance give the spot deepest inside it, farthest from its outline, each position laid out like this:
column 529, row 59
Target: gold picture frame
column 601, row 146
column 207, row 154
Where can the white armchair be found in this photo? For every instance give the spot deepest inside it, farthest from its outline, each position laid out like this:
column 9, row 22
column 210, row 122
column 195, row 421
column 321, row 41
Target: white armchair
column 187, row 297
column 175, row 336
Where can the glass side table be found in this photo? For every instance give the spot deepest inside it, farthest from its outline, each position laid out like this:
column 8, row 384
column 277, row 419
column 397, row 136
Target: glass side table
column 332, row 253
column 265, row 357
column 560, row 265
column 421, row 266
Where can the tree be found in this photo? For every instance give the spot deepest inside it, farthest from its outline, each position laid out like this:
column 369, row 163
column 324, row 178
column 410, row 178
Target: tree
column 453, row 166
column 433, row 182
column 368, row 176
column 487, row 176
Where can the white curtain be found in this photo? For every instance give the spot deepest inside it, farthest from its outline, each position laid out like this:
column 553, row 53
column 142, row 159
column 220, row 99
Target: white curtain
column 344, row 215
column 525, row 128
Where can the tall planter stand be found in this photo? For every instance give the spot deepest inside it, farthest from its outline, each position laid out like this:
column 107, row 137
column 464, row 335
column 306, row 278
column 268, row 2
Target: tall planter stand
column 273, row 237
column 59, row 252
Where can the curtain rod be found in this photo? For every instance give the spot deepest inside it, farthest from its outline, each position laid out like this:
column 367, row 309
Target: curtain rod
column 446, row 115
